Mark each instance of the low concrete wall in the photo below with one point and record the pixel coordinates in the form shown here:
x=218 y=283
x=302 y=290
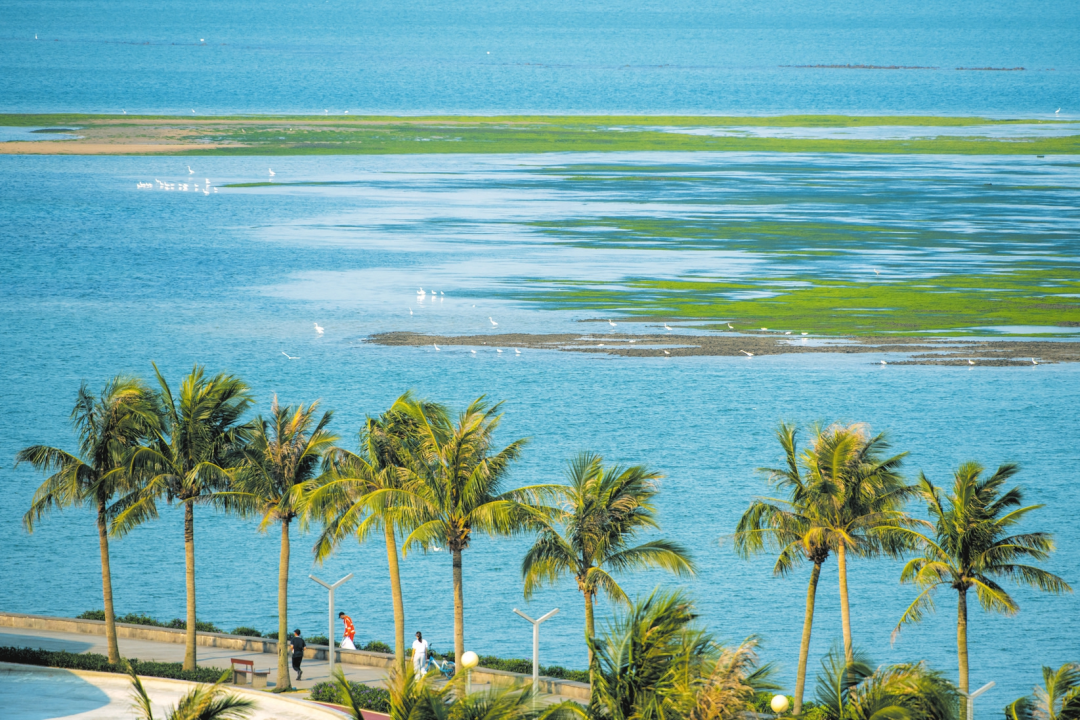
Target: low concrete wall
x=566 y=688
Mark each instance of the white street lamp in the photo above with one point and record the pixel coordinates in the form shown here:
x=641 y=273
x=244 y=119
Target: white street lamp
x=971 y=699
x=536 y=644
x=469 y=660
x=330 y=634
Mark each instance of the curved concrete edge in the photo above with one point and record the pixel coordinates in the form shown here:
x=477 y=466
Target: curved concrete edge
x=312 y=709
x=365 y=658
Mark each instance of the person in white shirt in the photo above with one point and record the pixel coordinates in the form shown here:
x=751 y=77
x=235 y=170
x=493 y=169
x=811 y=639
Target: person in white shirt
x=419 y=653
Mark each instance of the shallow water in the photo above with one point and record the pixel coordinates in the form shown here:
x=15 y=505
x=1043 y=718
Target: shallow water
x=101 y=277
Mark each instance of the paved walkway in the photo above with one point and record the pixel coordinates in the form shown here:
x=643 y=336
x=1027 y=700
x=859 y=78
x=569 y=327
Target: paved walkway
x=315 y=671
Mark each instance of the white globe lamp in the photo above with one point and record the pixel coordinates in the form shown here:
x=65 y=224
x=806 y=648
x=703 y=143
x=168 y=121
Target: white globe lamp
x=779 y=704
x=469 y=660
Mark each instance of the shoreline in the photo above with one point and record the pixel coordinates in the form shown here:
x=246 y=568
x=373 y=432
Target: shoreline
x=248 y=135
x=919 y=351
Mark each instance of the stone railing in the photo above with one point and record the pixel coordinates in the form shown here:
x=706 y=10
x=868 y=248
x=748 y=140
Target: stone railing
x=555 y=686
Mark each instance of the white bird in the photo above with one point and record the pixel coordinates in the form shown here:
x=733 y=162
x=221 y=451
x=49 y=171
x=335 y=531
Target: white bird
x=517 y=351
x=410 y=311
x=884 y=363
x=125 y=112
x=215 y=189
x=667 y=327
x=600 y=345
x=473 y=352
x=289 y=356
x=436 y=347
x=611 y=323
x=806 y=333
x=202 y=40
x=876 y=271
x=666 y=352
x=633 y=341
x=788 y=332
x=437 y=548
x=498 y=351
x=493 y=323
x=35 y=36
x=764 y=328
x=318 y=329
x=190 y=171
x=421 y=292
x=971 y=362
x=747 y=354
x=272 y=173
x=441 y=292
x=1033 y=361
x=730 y=326
x=1055 y=112
x=193 y=111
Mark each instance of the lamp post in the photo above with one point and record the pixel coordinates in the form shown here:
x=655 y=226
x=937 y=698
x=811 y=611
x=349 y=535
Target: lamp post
x=330 y=634
x=971 y=699
x=469 y=660
x=536 y=645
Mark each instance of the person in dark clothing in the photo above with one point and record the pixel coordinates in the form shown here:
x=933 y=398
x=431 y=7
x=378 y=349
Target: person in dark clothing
x=298 y=646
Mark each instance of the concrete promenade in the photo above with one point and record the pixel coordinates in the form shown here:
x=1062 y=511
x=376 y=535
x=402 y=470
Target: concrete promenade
x=315 y=670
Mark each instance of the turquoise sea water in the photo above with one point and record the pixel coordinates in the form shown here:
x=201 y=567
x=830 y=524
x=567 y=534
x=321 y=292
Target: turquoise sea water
x=101 y=277
x=645 y=56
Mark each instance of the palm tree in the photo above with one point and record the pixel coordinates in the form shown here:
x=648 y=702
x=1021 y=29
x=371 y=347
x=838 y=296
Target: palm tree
x=188 y=460
x=454 y=487
x=852 y=690
x=1058 y=699
x=357 y=496
x=972 y=546
x=855 y=497
x=790 y=526
x=282 y=454
x=655 y=664
x=109 y=426
x=602 y=510
x=202 y=702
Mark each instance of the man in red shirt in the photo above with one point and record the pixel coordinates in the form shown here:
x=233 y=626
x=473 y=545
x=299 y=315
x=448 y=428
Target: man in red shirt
x=350 y=632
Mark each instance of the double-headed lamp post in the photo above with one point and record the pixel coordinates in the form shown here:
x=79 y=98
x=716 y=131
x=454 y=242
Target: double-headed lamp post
x=971 y=699
x=536 y=644
x=330 y=633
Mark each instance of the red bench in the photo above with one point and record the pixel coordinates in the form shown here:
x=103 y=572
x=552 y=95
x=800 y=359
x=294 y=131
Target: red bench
x=244 y=673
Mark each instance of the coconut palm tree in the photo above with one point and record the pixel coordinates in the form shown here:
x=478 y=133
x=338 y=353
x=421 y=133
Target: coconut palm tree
x=853 y=690
x=455 y=486
x=187 y=460
x=972 y=546
x=855 y=496
x=356 y=496
x=202 y=702
x=109 y=426
x=1058 y=699
x=656 y=664
x=602 y=511
x=282 y=453
x=789 y=525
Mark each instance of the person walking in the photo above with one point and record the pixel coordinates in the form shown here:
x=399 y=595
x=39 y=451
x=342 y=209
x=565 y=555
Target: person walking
x=348 y=641
x=298 y=646
x=419 y=653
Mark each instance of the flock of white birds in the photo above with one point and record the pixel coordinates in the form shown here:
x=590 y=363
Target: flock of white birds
x=192 y=186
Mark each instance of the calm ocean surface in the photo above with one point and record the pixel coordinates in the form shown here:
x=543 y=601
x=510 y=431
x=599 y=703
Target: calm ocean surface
x=97 y=277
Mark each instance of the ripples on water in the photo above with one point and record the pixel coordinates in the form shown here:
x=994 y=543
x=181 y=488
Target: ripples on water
x=100 y=277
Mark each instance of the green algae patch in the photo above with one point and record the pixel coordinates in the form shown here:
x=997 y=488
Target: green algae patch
x=372 y=135
x=948 y=305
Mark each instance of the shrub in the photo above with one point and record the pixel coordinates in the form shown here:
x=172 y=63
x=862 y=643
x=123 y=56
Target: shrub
x=100 y=663
x=368 y=698
x=133 y=619
x=247 y=632
x=317 y=640
x=525 y=666
x=377 y=646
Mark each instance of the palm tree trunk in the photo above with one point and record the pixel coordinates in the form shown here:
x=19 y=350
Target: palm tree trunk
x=590 y=628
x=459 y=612
x=395 y=593
x=961 y=639
x=189 y=570
x=284 y=681
x=804 y=648
x=106 y=587
x=845 y=608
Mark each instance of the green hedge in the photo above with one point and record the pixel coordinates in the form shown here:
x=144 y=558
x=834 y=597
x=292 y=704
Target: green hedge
x=100 y=663
x=525 y=666
x=133 y=619
x=368 y=698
